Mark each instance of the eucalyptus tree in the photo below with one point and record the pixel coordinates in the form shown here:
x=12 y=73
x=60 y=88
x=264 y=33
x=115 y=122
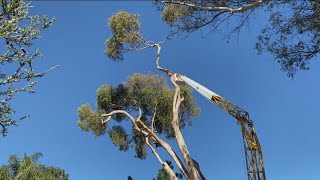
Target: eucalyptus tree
x=150 y=98
x=292 y=35
x=28 y=167
x=159 y=108
x=18 y=31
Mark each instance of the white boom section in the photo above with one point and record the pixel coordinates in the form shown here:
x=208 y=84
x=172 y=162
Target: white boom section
x=201 y=89
x=252 y=148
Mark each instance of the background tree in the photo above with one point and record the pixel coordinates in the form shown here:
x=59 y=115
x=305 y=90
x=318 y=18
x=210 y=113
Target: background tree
x=28 y=167
x=292 y=37
x=18 y=30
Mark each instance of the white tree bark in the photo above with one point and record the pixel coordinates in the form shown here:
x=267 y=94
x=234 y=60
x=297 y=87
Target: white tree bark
x=165 y=165
x=216 y=8
x=192 y=171
x=148 y=132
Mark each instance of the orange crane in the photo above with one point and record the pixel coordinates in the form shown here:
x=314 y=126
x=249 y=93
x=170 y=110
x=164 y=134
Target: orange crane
x=252 y=148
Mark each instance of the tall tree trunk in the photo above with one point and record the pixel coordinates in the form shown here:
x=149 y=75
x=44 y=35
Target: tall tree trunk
x=192 y=172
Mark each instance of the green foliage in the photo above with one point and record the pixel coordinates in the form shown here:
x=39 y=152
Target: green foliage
x=163 y=175
x=125 y=34
x=90 y=120
x=28 y=168
x=152 y=95
x=18 y=30
x=119 y=137
x=172 y=13
x=140 y=145
x=292 y=37
x=189 y=19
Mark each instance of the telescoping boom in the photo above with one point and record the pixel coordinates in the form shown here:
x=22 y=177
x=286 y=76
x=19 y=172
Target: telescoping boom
x=252 y=148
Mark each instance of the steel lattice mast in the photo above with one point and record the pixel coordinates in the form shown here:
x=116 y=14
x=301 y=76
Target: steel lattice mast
x=252 y=148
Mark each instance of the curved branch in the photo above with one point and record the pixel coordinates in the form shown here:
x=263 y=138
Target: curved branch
x=146 y=131
x=133 y=121
x=158 y=59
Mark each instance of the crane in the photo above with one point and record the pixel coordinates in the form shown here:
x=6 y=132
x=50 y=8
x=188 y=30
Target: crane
x=252 y=148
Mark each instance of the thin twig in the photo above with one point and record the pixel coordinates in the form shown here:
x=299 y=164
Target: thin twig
x=153 y=117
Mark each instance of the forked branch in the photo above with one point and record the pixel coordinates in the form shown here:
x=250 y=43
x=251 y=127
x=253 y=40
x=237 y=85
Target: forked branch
x=148 y=133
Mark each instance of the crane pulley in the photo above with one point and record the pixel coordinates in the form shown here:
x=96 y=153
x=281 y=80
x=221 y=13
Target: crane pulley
x=252 y=148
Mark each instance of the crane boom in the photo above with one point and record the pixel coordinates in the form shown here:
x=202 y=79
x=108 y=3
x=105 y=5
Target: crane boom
x=252 y=148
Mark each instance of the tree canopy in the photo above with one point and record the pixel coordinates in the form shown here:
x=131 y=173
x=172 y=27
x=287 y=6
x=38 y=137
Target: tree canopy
x=18 y=31
x=147 y=92
x=28 y=167
x=126 y=36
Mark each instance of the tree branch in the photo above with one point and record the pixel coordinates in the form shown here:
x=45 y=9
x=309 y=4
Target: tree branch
x=164 y=164
x=153 y=117
x=168 y=148
x=214 y=8
x=148 y=132
x=133 y=121
x=158 y=59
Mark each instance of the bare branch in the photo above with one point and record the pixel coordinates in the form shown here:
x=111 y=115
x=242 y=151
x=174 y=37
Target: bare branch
x=158 y=56
x=154 y=151
x=164 y=164
x=147 y=132
x=168 y=37
x=133 y=121
x=177 y=98
x=158 y=59
x=168 y=148
x=153 y=117
x=214 y=8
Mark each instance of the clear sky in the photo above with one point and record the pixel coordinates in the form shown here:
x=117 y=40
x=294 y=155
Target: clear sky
x=285 y=111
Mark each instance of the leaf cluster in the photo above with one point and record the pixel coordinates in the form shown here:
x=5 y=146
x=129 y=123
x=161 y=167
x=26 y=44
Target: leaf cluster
x=148 y=92
x=90 y=120
x=292 y=37
x=189 y=19
x=163 y=175
x=18 y=30
x=125 y=29
x=28 y=167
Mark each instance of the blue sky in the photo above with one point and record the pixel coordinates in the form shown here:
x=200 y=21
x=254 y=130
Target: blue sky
x=284 y=110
